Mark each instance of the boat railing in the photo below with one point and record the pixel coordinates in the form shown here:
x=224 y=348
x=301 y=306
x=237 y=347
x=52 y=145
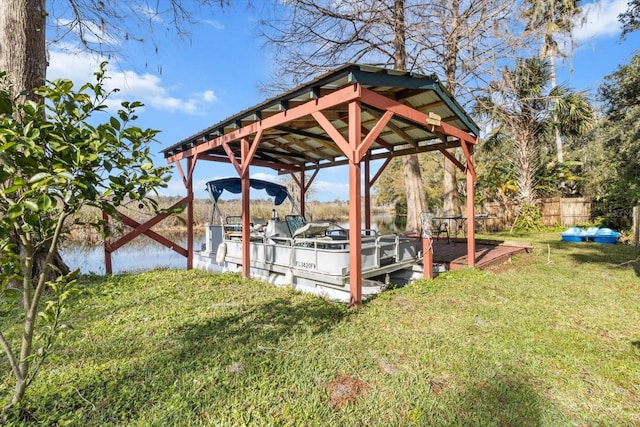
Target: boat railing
x=327 y=253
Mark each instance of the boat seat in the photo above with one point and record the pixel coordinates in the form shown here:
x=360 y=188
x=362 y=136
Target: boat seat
x=311 y=229
x=277 y=228
x=294 y=222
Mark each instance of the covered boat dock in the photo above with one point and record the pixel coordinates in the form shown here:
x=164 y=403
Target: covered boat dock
x=352 y=116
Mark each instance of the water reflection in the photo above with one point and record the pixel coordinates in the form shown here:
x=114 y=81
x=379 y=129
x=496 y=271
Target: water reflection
x=142 y=254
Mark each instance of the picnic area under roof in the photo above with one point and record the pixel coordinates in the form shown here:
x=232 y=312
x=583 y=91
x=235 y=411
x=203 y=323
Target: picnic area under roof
x=302 y=143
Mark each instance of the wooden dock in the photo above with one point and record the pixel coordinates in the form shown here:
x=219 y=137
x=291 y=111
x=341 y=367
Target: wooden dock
x=453 y=252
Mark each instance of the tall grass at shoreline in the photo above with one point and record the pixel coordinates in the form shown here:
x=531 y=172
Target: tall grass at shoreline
x=549 y=339
x=260 y=211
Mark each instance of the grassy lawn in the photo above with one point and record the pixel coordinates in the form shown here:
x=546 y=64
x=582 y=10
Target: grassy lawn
x=553 y=338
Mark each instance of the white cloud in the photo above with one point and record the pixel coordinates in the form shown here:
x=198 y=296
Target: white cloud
x=599 y=19
x=145 y=87
x=269 y=177
x=209 y=96
x=329 y=191
x=175 y=186
x=215 y=24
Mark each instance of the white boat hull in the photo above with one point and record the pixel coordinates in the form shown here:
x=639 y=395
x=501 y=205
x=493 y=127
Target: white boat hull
x=315 y=265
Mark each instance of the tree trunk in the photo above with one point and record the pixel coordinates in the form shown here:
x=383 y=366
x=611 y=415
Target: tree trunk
x=556 y=128
x=18 y=392
x=524 y=155
x=451 y=200
x=23 y=52
x=415 y=193
x=412 y=175
x=23 y=55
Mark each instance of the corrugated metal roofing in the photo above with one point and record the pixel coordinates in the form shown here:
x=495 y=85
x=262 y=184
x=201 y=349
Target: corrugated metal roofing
x=302 y=142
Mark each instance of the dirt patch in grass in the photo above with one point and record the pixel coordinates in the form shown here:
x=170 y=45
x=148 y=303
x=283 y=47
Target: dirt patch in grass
x=345 y=389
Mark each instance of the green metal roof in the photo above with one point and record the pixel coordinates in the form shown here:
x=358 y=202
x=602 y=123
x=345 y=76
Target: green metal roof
x=302 y=143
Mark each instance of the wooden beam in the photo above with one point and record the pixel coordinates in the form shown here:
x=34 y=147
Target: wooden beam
x=277 y=165
x=181 y=172
x=340 y=96
x=150 y=233
x=394 y=128
x=387 y=154
x=405 y=136
x=107 y=250
x=327 y=145
x=355 y=209
x=467 y=149
x=143 y=228
x=313 y=177
x=373 y=135
x=246 y=211
x=191 y=166
x=453 y=159
x=335 y=135
x=191 y=162
x=427 y=257
x=252 y=151
x=372 y=98
x=379 y=140
x=471 y=217
x=305 y=148
x=232 y=158
x=382 y=168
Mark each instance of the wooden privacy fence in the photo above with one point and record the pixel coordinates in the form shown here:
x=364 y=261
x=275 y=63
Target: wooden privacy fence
x=555 y=211
x=566 y=211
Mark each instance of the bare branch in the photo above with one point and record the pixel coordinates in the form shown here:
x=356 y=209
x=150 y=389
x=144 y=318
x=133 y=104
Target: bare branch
x=101 y=26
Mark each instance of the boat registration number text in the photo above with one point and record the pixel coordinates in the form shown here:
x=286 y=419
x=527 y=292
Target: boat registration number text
x=304 y=264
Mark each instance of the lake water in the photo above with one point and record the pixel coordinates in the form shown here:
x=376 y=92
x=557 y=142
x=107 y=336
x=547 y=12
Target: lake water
x=143 y=254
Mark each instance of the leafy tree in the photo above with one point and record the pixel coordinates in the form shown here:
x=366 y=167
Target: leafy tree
x=98 y=25
x=615 y=180
x=460 y=41
x=521 y=110
x=631 y=18
x=55 y=160
x=620 y=91
x=390 y=187
x=550 y=18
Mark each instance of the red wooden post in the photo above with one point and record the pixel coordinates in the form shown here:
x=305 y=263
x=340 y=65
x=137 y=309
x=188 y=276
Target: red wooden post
x=471 y=219
x=302 y=193
x=367 y=194
x=190 y=165
x=427 y=257
x=246 y=212
x=355 y=209
x=107 y=250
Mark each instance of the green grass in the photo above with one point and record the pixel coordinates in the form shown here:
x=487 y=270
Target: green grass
x=551 y=339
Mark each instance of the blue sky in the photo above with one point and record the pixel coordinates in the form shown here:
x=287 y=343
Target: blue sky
x=192 y=83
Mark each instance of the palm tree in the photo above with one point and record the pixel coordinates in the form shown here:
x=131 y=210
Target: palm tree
x=520 y=112
x=550 y=18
